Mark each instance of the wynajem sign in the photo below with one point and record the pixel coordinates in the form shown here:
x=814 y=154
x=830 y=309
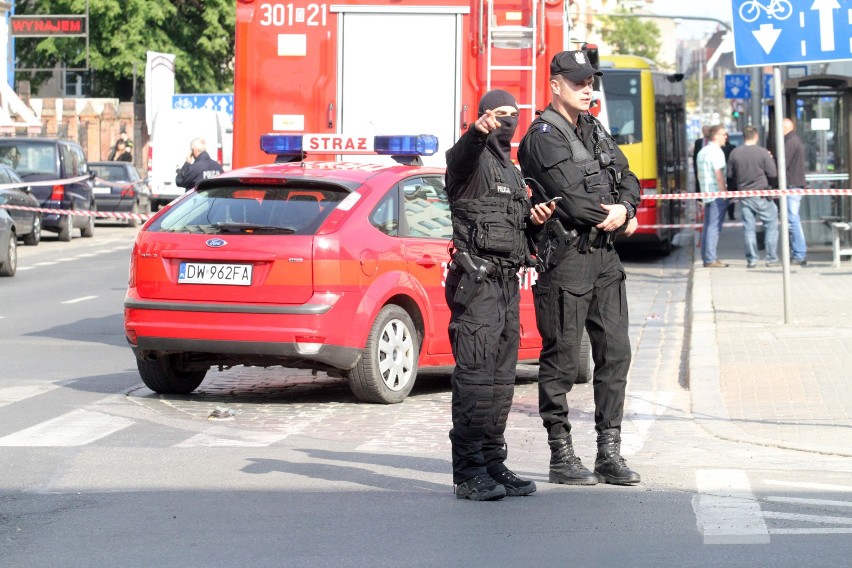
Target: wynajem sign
x=778 y=32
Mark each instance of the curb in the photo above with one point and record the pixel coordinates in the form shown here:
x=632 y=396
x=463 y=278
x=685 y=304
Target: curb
x=708 y=407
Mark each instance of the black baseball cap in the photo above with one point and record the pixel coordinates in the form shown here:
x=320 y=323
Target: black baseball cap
x=573 y=65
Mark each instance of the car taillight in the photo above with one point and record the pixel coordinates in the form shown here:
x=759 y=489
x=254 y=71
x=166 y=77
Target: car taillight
x=150 y=159
x=128 y=191
x=58 y=193
x=220 y=156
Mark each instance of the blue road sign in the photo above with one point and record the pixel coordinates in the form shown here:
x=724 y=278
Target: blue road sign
x=223 y=102
x=778 y=32
x=737 y=86
x=767 y=86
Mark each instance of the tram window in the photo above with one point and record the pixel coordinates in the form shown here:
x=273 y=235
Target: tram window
x=624 y=105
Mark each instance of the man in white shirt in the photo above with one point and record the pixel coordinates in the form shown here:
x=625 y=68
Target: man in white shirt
x=711 y=175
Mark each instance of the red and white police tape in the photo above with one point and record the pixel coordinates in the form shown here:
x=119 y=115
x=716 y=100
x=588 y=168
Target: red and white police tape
x=79 y=213
x=663 y=196
x=729 y=195
x=750 y=193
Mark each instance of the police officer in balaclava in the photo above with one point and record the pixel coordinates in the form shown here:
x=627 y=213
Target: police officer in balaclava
x=492 y=221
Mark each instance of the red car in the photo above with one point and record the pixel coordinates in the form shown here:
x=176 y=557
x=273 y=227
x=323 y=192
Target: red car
x=334 y=266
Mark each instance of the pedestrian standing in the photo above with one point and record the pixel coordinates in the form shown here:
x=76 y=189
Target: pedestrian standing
x=568 y=154
x=751 y=167
x=794 y=152
x=198 y=166
x=699 y=144
x=727 y=148
x=712 y=171
x=122 y=153
x=492 y=219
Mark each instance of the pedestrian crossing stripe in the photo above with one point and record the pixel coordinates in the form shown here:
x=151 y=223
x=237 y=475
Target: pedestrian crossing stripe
x=726 y=510
x=10 y=395
x=76 y=428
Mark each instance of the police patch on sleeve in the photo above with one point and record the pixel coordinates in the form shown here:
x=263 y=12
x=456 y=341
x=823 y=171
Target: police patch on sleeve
x=544 y=127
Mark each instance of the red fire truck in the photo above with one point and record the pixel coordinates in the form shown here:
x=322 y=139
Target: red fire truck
x=385 y=67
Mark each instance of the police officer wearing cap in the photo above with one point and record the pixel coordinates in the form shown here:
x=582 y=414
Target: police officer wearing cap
x=567 y=153
x=491 y=216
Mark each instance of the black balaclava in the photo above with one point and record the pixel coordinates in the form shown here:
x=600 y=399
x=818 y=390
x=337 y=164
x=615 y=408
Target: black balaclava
x=500 y=140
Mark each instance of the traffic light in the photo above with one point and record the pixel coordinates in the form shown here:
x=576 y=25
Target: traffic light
x=736 y=109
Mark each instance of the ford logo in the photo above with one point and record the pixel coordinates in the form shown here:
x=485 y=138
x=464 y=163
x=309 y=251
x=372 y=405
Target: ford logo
x=215 y=243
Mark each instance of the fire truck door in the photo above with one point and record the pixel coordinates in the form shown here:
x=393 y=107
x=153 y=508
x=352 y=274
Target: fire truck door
x=400 y=74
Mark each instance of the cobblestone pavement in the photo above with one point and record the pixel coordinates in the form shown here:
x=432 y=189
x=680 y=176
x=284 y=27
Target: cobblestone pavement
x=273 y=404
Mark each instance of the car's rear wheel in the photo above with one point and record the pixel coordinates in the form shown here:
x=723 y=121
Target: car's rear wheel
x=388 y=366
x=34 y=237
x=65 y=226
x=10 y=258
x=88 y=230
x=166 y=375
x=587 y=365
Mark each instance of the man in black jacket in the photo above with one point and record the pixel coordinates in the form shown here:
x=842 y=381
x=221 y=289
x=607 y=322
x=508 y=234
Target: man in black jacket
x=492 y=217
x=569 y=154
x=794 y=153
x=199 y=165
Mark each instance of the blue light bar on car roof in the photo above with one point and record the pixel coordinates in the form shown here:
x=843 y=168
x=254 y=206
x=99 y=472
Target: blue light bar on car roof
x=281 y=144
x=295 y=144
x=406 y=145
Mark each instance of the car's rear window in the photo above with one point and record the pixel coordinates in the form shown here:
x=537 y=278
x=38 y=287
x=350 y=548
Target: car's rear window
x=298 y=210
x=110 y=172
x=28 y=157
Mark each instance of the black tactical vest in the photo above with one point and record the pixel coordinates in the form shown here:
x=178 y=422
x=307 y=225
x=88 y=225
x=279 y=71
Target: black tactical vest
x=492 y=225
x=597 y=176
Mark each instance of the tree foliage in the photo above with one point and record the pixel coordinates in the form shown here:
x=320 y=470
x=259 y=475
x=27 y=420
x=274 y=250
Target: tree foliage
x=200 y=33
x=712 y=95
x=631 y=35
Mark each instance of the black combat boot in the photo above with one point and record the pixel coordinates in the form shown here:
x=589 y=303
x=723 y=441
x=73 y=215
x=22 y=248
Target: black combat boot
x=610 y=467
x=480 y=488
x=565 y=467
x=515 y=486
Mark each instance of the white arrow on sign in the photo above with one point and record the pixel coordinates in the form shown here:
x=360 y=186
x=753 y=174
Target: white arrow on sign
x=767 y=35
x=735 y=91
x=826 y=10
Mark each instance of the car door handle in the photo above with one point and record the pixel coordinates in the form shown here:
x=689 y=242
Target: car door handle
x=426 y=261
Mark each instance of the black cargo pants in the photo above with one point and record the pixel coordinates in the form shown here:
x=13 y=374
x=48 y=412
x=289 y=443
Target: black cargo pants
x=484 y=337
x=584 y=289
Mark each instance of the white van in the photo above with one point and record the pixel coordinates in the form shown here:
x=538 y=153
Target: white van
x=173 y=130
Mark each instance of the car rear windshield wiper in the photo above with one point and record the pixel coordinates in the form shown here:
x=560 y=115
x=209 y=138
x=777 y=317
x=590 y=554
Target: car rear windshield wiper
x=253 y=228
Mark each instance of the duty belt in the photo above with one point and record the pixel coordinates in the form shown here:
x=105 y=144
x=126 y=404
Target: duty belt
x=594 y=239
x=492 y=269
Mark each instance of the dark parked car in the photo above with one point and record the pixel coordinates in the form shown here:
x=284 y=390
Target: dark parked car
x=44 y=159
x=123 y=192
x=8 y=245
x=27 y=223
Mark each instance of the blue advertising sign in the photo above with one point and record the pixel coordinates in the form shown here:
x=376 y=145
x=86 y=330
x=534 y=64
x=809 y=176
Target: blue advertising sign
x=779 y=32
x=223 y=102
x=737 y=86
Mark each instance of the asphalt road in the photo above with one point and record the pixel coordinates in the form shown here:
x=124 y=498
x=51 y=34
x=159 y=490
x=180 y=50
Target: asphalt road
x=96 y=470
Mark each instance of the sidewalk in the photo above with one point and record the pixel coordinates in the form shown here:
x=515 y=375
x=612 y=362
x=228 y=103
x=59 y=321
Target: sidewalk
x=754 y=379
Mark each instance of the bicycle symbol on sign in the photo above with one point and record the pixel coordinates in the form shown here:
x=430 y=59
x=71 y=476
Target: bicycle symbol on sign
x=780 y=9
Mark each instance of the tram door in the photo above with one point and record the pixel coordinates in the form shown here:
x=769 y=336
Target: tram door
x=821 y=107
